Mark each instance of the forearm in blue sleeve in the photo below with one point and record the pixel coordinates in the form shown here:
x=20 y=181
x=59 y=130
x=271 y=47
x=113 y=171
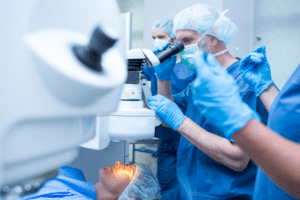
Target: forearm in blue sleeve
x=182 y=98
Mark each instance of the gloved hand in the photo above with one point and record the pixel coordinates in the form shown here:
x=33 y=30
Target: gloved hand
x=216 y=96
x=167 y=110
x=255 y=70
x=163 y=70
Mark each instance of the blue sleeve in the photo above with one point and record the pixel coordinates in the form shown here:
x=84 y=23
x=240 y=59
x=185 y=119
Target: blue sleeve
x=149 y=72
x=181 y=77
x=71 y=172
x=69 y=184
x=182 y=98
x=262 y=111
x=82 y=187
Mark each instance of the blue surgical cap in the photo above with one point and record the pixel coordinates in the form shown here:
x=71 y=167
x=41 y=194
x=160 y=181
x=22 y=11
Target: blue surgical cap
x=205 y=19
x=165 y=25
x=144 y=185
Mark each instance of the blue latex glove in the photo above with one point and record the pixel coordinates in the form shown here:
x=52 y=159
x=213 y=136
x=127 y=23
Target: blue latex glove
x=255 y=70
x=163 y=70
x=216 y=96
x=167 y=110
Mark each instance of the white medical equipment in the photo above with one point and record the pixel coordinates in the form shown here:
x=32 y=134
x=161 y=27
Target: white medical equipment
x=132 y=121
x=49 y=97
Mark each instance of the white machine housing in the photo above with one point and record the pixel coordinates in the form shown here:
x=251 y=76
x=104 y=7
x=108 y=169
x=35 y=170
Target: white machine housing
x=143 y=54
x=132 y=121
x=49 y=100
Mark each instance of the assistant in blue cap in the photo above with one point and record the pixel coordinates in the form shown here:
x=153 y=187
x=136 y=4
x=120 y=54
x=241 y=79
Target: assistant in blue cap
x=165 y=25
x=180 y=77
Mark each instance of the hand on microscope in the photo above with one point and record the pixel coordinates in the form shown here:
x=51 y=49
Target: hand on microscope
x=167 y=110
x=163 y=70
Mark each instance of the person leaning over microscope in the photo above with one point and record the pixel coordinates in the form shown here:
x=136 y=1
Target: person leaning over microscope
x=180 y=77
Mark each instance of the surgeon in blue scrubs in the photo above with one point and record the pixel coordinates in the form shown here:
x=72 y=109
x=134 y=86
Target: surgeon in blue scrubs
x=180 y=77
x=276 y=153
x=209 y=166
x=275 y=148
x=284 y=119
x=121 y=182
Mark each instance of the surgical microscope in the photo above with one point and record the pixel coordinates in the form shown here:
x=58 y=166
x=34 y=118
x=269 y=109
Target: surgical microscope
x=63 y=67
x=133 y=120
x=50 y=95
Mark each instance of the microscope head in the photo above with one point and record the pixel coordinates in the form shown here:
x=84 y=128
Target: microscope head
x=50 y=92
x=137 y=57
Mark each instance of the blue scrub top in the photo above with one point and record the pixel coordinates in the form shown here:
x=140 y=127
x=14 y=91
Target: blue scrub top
x=284 y=118
x=69 y=184
x=199 y=176
x=181 y=76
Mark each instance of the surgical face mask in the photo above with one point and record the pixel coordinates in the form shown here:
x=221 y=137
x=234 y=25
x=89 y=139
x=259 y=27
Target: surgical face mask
x=190 y=50
x=187 y=54
x=160 y=42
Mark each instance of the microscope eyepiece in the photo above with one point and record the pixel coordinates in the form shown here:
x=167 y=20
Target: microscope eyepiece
x=171 y=50
x=90 y=55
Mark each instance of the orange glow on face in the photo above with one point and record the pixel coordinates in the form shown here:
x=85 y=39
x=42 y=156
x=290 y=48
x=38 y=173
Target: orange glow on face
x=122 y=171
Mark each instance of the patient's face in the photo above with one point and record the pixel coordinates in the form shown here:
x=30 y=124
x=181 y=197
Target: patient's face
x=117 y=177
x=122 y=171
